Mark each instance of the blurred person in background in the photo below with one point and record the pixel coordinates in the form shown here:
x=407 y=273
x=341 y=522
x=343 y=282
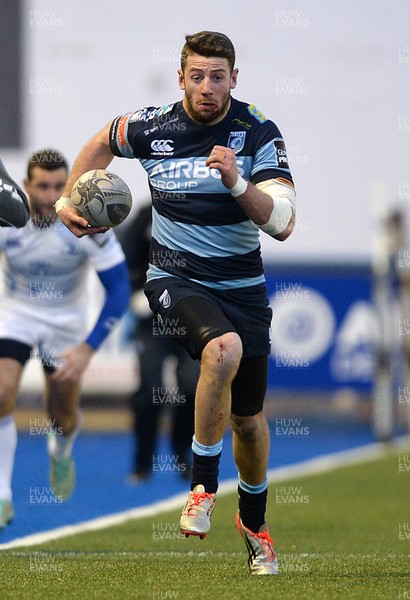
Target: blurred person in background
x=44 y=313
x=153 y=349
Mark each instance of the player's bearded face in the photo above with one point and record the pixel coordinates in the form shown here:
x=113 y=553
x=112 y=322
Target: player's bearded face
x=44 y=188
x=207 y=83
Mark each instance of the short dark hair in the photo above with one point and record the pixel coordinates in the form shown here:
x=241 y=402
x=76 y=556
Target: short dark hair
x=208 y=43
x=48 y=158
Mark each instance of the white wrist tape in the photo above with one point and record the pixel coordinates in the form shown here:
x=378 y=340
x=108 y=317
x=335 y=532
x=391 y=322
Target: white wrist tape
x=239 y=188
x=63 y=202
x=284 y=204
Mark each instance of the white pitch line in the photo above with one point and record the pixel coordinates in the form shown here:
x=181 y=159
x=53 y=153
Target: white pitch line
x=313 y=466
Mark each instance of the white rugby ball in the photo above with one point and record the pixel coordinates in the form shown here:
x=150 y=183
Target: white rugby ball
x=102 y=198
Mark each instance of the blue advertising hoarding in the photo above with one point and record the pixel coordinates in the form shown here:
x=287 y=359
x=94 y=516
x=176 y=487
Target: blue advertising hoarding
x=324 y=331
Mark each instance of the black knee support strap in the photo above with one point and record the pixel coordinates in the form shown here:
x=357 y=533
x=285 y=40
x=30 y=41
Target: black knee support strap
x=249 y=386
x=202 y=321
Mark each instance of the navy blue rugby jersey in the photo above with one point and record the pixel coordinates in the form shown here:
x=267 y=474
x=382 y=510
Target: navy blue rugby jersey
x=199 y=231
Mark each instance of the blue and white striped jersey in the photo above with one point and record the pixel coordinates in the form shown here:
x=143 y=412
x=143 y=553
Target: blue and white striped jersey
x=199 y=231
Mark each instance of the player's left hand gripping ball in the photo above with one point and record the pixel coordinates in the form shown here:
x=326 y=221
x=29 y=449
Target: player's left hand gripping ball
x=102 y=198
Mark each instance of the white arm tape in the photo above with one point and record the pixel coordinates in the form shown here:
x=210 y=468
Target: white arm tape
x=63 y=202
x=239 y=188
x=284 y=200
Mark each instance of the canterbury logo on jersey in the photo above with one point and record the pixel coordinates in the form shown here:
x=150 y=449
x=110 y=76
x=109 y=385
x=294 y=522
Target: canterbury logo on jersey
x=162 y=147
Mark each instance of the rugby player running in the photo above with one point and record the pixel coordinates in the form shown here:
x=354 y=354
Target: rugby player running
x=218 y=174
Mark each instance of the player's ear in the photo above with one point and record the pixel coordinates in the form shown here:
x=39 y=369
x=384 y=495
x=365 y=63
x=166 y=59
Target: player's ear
x=26 y=184
x=234 y=78
x=181 y=79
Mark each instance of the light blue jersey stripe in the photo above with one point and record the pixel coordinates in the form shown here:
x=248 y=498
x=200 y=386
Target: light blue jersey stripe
x=230 y=284
x=157 y=273
x=190 y=174
x=206 y=241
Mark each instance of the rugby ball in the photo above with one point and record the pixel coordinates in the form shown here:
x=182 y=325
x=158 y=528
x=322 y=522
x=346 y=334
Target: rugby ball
x=102 y=198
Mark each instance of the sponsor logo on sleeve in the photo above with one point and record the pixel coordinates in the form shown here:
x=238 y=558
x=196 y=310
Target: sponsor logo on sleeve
x=143 y=115
x=163 y=110
x=257 y=113
x=146 y=114
x=281 y=154
x=121 y=129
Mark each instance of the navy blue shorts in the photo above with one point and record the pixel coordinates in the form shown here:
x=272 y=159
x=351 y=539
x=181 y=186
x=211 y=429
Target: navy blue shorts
x=245 y=311
x=194 y=314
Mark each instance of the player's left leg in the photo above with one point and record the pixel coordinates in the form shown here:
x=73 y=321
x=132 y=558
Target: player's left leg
x=10 y=375
x=13 y=356
x=251 y=447
x=251 y=441
x=62 y=401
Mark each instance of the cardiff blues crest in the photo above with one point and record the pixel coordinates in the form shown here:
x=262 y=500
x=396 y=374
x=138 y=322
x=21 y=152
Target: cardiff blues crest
x=236 y=140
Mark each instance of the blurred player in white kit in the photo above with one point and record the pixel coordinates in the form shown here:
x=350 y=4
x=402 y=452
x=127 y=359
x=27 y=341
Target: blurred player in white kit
x=44 y=312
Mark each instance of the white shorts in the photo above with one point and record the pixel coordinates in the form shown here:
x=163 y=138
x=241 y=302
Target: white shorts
x=48 y=333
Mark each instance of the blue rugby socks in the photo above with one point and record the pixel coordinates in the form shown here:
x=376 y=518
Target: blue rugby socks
x=205 y=466
x=252 y=504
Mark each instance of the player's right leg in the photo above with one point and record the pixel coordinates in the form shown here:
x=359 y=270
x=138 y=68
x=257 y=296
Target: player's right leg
x=13 y=356
x=213 y=339
x=195 y=319
x=219 y=363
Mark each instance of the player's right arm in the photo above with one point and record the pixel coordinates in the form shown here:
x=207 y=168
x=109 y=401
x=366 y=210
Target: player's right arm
x=96 y=154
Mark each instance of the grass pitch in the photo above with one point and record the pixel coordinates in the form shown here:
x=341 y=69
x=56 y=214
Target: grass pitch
x=343 y=534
